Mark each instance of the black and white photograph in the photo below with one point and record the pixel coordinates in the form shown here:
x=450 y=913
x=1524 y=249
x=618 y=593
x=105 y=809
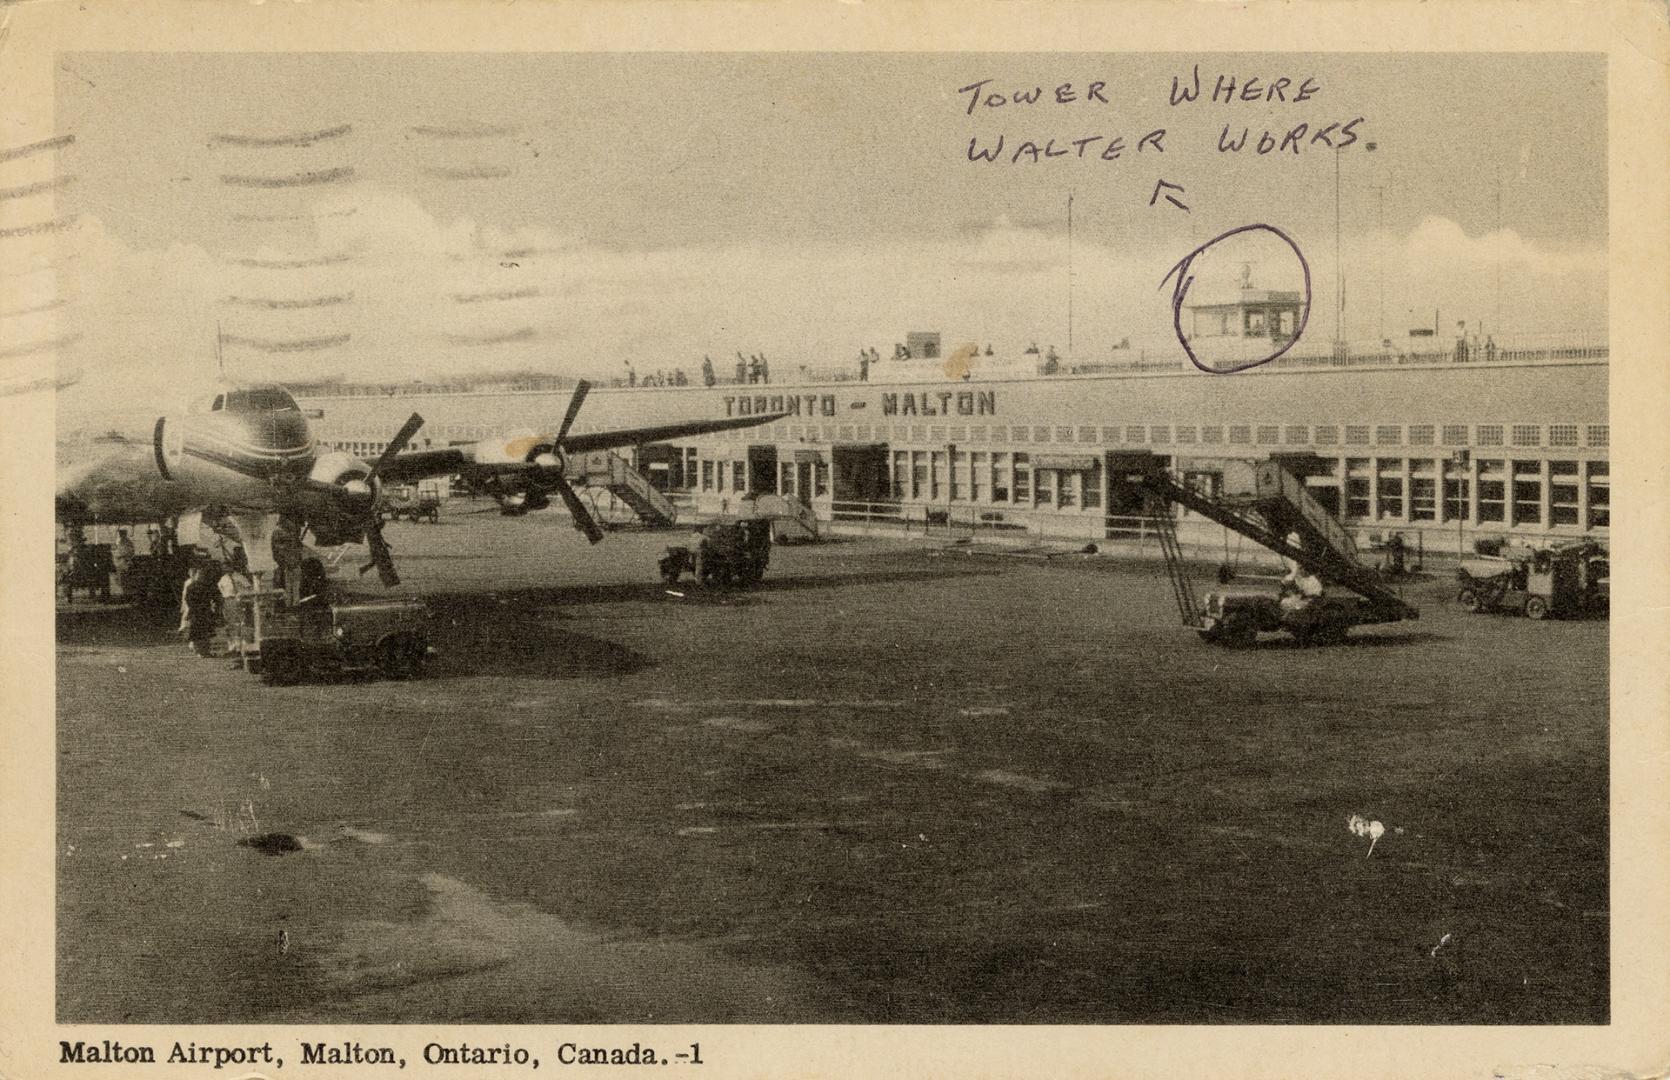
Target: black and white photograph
x=598 y=538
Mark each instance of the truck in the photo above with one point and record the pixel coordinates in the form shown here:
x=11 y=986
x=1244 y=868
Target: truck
x=1279 y=513
x=286 y=643
x=1567 y=580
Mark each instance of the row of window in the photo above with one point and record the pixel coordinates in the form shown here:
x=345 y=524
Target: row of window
x=1593 y=436
x=1415 y=490
x=807 y=480
x=995 y=477
x=1487 y=491
x=1508 y=492
x=725 y=476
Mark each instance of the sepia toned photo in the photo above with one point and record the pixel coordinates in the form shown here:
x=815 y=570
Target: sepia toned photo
x=603 y=539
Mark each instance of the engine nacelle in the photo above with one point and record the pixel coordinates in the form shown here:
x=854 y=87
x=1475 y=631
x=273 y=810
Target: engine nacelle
x=168 y=445
x=511 y=448
x=330 y=527
x=342 y=470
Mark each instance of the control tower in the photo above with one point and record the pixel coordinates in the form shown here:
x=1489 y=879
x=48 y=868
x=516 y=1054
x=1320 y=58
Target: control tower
x=1268 y=314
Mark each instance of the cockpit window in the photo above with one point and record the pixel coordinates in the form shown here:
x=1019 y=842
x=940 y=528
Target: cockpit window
x=219 y=403
x=260 y=399
x=272 y=399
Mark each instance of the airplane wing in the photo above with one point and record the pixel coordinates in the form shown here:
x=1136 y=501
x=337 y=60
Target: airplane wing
x=415 y=465
x=603 y=440
x=119 y=485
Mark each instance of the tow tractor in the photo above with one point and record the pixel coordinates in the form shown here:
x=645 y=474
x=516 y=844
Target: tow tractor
x=287 y=642
x=1280 y=514
x=730 y=552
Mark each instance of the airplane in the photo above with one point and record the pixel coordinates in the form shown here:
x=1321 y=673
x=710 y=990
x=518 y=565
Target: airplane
x=247 y=455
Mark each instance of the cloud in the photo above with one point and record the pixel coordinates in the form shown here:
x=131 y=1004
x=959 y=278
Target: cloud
x=148 y=318
x=1440 y=242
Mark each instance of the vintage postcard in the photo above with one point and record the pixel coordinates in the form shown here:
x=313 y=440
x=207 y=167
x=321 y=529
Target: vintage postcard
x=1112 y=539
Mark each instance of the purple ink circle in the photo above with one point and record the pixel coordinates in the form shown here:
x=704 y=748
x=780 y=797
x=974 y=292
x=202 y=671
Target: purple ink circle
x=1181 y=290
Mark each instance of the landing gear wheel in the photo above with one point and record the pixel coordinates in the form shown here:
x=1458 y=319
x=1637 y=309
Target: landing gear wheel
x=402 y=658
x=280 y=665
x=1536 y=608
x=1238 y=632
x=1330 y=635
x=1468 y=599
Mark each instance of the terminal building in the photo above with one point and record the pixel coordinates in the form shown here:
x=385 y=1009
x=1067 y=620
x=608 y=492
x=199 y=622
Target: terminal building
x=1443 y=444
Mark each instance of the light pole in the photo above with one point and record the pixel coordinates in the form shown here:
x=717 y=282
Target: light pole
x=1339 y=266
x=1339 y=263
x=1380 y=258
x=1460 y=461
x=1069 y=276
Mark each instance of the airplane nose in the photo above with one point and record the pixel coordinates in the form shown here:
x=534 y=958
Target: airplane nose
x=167 y=444
x=357 y=487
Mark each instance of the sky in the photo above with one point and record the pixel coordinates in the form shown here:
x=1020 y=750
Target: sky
x=399 y=216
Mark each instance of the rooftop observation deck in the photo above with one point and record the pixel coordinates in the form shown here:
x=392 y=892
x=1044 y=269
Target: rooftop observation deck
x=1158 y=360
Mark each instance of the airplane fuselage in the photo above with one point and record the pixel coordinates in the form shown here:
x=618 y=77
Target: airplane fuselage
x=243 y=448
x=247 y=453
x=236 y=459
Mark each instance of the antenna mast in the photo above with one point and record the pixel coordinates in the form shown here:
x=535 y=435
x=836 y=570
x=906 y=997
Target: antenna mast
x=1069 y=274
x=220 y=360
x=1498 y=246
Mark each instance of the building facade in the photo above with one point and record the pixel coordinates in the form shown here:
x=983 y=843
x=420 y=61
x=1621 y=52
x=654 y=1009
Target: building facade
x=1436 y=446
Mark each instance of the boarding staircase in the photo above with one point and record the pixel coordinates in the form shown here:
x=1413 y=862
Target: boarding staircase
x=614 y=474
x=791 y=519
x=1165 y=526
x=1279 y=513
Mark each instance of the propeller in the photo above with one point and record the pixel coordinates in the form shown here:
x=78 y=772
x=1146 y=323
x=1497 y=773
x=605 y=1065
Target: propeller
x=580 y=392
x=582 y=517
x=397 y=444
x=382 y=556
x=576 y=509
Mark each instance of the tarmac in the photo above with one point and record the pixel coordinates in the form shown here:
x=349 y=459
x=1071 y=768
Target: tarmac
x=896 y=783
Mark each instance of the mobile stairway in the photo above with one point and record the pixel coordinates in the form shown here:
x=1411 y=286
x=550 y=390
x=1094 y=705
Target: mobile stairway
x=791 y=520
x=614 y=474
x=1279 y=514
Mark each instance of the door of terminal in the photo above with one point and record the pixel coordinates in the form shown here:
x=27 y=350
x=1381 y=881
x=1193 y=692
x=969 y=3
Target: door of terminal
x=762 y=470
x=803 y=481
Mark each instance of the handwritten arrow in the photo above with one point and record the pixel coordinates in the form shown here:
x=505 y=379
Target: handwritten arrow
x=1172 y=199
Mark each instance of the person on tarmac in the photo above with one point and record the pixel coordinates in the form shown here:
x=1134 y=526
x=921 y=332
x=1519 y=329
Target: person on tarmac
x=200 y=611
x=122 y=557
x=1396 y=554
x=233 y=584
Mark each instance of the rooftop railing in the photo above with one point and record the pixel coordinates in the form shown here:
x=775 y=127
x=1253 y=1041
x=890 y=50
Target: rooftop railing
x=1162 y=359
